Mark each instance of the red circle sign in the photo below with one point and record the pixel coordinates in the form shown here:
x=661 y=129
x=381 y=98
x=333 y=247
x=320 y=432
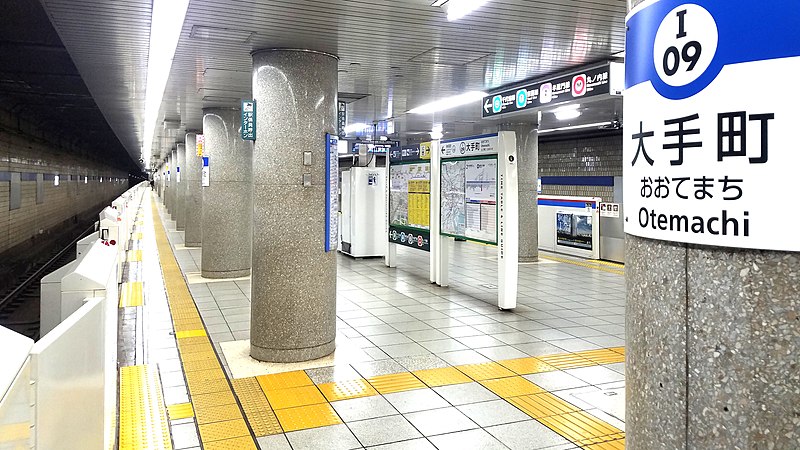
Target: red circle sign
x=579 y=85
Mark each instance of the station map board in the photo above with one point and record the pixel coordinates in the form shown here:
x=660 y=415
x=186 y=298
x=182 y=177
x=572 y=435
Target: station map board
x=410 y=196
x=469 y=189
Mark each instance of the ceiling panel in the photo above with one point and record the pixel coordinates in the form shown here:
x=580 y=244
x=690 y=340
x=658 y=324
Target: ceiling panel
x=403 y=53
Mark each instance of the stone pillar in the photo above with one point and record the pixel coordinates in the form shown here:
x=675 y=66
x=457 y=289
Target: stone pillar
x=294 y=280
x=227 y=202
x=180 y=189
x=528 y=176
x=173 y=162
x=193 y=205
x=713 y=338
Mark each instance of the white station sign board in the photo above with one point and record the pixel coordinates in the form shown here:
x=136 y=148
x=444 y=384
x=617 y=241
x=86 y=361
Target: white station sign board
x=710 y=151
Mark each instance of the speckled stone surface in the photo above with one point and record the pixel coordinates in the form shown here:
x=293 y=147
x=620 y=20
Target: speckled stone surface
x=744 y=349
x=180 y=189
x=227 y=202
x=193 y=205
x=713 y=338
x=294 y=280
x=655 y=345
x=527 y=176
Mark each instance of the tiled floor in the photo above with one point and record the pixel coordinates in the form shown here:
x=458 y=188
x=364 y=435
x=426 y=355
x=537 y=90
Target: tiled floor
x=393 y=321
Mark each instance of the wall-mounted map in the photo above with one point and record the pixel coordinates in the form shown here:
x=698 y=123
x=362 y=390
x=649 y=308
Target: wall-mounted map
x=469 y=199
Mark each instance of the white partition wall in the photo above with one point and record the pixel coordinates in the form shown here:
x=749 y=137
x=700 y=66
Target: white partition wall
x=68 y=376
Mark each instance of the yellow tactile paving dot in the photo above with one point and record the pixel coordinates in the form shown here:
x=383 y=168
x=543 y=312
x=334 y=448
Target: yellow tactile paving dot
x=131 y=294
x=190 y=333
x=293 y=397
x=542 y=405
x=346 y=389
x=199 y=356
x=201 y=364
x=208 y=386
x=396 y=382
x=194 y=348
x=138 y=236
x=215 y=373
x=587 y=265
x=142 y=416
x=526 y=366
x=194 y=341
x=240 y=443
x=218 y=414
x=304 y=417
x=218 y=431
x=189 y=325
x=259 y=414
x=284 y=380
x=618 y=444
x=511 y=386
x=582 y=428
x=566 y=361
x=602 y=356
x=203 y=401
x=134 y=256
x=444 y=376
x=485 y=371
x=180 y=411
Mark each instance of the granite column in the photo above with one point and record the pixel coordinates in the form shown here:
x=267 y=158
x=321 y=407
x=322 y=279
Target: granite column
x=193 y=205
x=180 y=188
x=227 y=211
x=713 y=338
x=294 y=280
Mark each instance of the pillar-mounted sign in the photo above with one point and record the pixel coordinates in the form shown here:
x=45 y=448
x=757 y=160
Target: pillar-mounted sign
x=341 y=118
x=709 y=150
x=201 y=144
x=331 y=192
x=205 y=176
x=249 y=120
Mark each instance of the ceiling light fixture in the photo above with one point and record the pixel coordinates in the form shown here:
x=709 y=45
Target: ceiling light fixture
x=457 y=9
x=355 y=128
x=166 y=24
x=575 y=127
x=449 y=102
x=567 y=112
x=437 y=132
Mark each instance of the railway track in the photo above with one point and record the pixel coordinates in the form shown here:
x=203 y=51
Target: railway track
x=19 y=305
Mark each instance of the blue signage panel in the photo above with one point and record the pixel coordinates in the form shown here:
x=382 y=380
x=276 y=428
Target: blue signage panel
x=331 y=192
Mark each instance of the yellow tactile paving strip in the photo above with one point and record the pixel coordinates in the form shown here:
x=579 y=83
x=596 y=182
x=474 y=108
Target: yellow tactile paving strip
x=442 y=377
x=134 y=256
x=220 y=421
x=131 y=294
x=396 y=382
x=180 y=411
x=602 y=266
x=142 y=417
x=259 y=414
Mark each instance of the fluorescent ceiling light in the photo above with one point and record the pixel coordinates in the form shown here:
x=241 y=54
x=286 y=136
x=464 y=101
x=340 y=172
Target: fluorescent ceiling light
x=456 y=9
x=575 y=127
x=449 y=102
x=355 y=127
x=166 y=24
x=567 y=112
x=437 y=132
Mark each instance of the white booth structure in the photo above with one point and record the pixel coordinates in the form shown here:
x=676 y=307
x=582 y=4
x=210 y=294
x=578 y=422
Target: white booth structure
x=570 y=225
x=363 y=205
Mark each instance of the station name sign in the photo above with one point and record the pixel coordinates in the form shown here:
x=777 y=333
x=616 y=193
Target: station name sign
x=602 y=80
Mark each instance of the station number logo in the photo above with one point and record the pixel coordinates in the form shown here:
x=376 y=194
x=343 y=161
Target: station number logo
x=579 y=85
x=522 y=98
x=685 y=44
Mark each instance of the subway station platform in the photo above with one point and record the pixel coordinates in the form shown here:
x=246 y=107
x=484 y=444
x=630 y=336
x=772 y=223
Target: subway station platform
x=417 y=366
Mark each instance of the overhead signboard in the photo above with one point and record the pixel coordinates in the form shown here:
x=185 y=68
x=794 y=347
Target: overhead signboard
x=249 y=120
x=709 y=155
x=603 y=80
x=474 y=146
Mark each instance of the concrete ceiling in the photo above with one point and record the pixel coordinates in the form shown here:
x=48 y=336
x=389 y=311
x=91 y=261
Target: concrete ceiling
x=40 y=84
x=398 y=54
